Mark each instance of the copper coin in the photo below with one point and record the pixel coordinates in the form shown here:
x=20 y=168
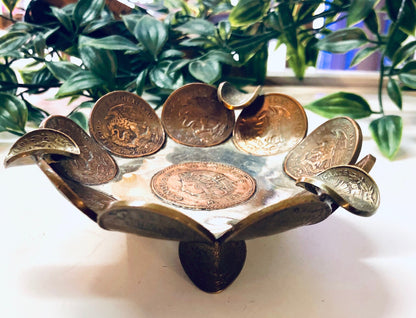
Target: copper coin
x=93 y=166
x=203 y=185
x=336 y=142
x=126 y=125
x=192 y=115
x=273 y=124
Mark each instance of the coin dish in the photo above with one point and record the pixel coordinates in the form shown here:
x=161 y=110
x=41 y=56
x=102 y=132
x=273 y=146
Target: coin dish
x=126 y=200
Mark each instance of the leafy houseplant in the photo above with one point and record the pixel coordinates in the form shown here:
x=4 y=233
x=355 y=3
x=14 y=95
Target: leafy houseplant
x=85 y=50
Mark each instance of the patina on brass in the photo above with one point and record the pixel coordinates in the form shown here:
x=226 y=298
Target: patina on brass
x=212 y=246
x=336 y=142
x=126 y=125
x=349 y=186
x=40 y=142
x=233 y=98
x=94 y=165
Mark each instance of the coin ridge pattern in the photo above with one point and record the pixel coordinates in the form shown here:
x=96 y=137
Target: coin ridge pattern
x=203 y=185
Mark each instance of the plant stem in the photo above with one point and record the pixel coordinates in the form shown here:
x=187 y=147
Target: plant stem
x=395 y=25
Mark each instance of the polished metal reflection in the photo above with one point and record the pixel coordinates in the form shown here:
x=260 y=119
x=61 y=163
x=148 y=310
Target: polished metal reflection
x=232 y=98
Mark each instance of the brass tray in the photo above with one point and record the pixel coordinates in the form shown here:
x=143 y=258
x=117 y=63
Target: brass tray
x=212 y=245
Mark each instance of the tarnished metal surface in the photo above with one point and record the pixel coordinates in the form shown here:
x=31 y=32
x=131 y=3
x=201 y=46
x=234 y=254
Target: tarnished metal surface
x=336 y=142
x=192 y=115
x=273 y=124
x=349 y=186
x=41 y=141
x=126 y=125
x=93 y=165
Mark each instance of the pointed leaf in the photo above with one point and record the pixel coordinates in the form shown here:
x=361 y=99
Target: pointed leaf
x=343 y=40
x=62 y=70
x=63 y=17
x=8 y=77
x=361 y=55
x=13 y=114
x=359 y=10
x=387 y=133
x=247 y=12
x=10 y=4
x=408 y=74
x=113 y=42
x=80 y=119
x=79 y=82
x=341 y=104
x=152 y=34
x=404 y=53
x=11 y=42
x=372 y=22
x=141 y=81
x=407 y=17
x=198 y=26
x=394 y=92
x=86 y=11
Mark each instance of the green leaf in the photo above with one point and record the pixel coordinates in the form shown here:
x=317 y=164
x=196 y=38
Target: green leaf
x=13 y=114
x=86 y=11
x=247 y=12
x=343 y=40
x=408 y=74
x=101 y=62
x=197 y=26
x=387 y=133
x=131 y=20
x=62 y=70
x=205 y=70
x=341 y=104
x=407 y=18
x=152 y=34
x=171 y=54
x=112 y=42
x=362 y=54
x=80 y=118
x=221 y=56
x=10 y=4
x=141 y=81
x=224 y=30
x=63 y=17
x=161 y=77
x=372 y=22
x=78 y=82
x=404 y=53
x=8 y=76
x=35 y=114
x=287 y=24
x=359 y=10
x=11 y=42
x=394 y=92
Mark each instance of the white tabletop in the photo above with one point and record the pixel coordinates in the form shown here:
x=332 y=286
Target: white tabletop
x=58 y=263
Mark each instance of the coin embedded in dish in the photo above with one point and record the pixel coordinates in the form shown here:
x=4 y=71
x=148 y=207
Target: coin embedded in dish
x=126 y=125
x=336 y=142
x=203 y=185
x=93 y=165
x=273 y=124
x=192 y=115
